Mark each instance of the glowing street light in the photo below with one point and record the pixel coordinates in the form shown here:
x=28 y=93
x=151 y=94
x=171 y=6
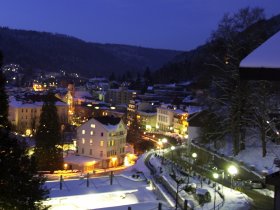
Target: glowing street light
x=65 y=166
x=215 y=176
x=164 y=140
x=232 y=170
x=172 y=148
x=194 y=155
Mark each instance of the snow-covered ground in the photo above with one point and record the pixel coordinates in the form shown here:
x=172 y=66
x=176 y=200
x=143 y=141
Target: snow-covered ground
x=125 y=191
x=252 y=156
x=234 y=200
x=128 y=191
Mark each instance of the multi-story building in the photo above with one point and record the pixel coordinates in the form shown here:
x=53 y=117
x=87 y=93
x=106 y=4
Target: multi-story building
x=104 y=140
x=170 y=119
x=25 y=116
x=147 y=120
x=119 y=96
x=165 y=118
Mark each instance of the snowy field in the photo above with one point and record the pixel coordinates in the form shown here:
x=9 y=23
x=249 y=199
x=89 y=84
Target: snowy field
x=125 y=191
x=252 y=156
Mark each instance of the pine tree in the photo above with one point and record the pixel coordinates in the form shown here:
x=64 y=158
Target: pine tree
x=3 y=103
x=48 y=137
x=20 y=186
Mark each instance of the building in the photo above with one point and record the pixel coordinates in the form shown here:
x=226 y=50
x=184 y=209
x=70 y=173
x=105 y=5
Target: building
x=119 y=96
x=104 y=140
x=25 y=115
x=170 y=119
x=147 y=120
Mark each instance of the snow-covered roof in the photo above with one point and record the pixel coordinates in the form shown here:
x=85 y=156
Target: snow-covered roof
x=265 y=56
x=110 y=123
x=21 y=104
x=82 y=94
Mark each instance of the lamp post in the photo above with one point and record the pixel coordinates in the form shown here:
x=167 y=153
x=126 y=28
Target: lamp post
x=163 y=141
x=232 y=170
x=215 y=176
x=172 y=148
x=194 y=155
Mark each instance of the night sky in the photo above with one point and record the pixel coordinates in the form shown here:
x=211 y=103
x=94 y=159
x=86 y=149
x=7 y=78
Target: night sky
x=169 y=24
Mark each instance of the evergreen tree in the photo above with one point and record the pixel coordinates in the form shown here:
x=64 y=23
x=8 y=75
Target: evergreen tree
x=20 y=186
x=48 y=137
x=4 y=123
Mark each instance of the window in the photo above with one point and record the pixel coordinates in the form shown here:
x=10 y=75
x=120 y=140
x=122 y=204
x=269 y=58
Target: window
x=90 y=151
x=83 y=131
x=90 y=141
x=91 y=133
x=101 y=133
x=101 y=143
x=83 y=151
x=83 y=140
x=92 y=125
x=112 y=142
x=101 y=153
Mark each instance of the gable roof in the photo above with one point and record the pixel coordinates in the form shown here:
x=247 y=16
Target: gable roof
x=263 y=63
x=108 y=120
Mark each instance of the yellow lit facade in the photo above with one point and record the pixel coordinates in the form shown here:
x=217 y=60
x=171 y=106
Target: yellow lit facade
x=25 y=116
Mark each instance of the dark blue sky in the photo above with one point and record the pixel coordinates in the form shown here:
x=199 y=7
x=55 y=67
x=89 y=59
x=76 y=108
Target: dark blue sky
x=170 y=24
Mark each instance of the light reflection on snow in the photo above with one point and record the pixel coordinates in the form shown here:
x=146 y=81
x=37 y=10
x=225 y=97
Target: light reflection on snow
x=93 y=201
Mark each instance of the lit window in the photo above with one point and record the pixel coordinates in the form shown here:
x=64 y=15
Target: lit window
x=90 y=141
x=83 y=140
x=83 y=131
x=92 y=125
x=101 y=143
x=91 y=132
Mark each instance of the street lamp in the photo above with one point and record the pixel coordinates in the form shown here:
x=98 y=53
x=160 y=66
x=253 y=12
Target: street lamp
x=232 y=170
x=172 y=148
x=215 y=176
x=163 y=141
x=194 y=156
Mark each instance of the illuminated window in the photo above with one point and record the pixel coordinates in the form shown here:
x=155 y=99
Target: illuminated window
x=83 y=140
x=83 y=131
x=101 y=143
x=91 y=132
x=92 y=125
x=113 y=142
x=90 y=141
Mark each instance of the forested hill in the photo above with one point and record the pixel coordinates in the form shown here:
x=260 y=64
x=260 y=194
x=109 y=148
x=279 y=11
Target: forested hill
x=194 y=64
x=53 y=52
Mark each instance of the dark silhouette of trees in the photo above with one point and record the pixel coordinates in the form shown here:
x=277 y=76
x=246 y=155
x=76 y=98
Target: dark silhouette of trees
x=20 y=186
x=48 y=137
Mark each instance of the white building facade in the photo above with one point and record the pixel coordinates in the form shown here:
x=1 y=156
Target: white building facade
x=103 y=139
